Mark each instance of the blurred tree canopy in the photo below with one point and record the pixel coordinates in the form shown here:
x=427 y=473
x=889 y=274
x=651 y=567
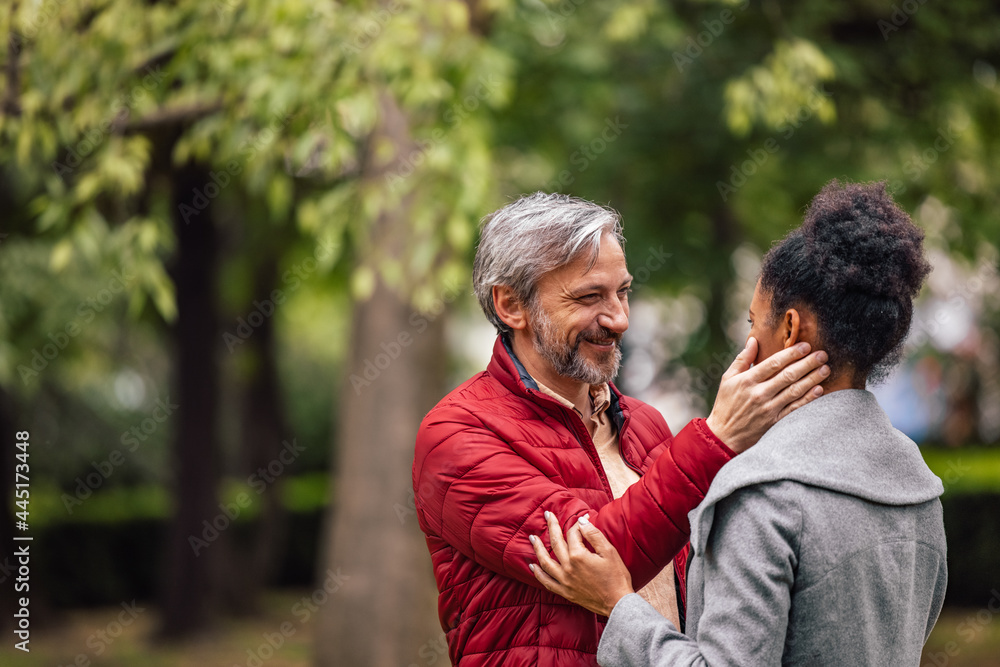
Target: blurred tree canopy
x=159 y=140
x=735 y=114
x=171 y=169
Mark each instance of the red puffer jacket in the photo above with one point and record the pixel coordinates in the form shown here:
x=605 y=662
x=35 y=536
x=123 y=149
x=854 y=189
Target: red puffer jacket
x=491 y=457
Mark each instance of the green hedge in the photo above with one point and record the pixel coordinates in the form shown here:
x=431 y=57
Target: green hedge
x=91 y=564
x=110 y=547
x=972 y=526
x=965 y=469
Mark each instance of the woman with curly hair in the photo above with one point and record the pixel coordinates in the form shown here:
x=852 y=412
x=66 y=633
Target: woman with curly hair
x=823 y=544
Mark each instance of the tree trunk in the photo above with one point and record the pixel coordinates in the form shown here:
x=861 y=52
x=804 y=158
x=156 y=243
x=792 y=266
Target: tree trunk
x=189 y=591
x=263 y=430
x=382 y=612
x=385 y=611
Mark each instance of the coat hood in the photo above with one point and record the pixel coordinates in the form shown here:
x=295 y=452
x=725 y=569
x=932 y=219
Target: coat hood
x=843 y=442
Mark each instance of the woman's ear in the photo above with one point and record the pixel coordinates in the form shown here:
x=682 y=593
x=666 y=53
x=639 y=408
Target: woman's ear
x=790 y=325
x=509 y=307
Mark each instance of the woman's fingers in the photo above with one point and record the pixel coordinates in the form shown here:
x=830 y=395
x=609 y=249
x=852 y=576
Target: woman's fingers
x=574 y=538
x=594 y=536
x=545 y=580
x=545 y=561
x=556 y=537
x=595 y=581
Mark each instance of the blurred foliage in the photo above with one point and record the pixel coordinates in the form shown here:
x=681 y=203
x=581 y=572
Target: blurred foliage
x=965 y=470
x=274 y=92
x=277 y=101
x=733 y=115
x=276 y=98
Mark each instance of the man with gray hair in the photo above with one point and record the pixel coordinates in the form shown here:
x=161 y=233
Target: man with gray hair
x=544 y=429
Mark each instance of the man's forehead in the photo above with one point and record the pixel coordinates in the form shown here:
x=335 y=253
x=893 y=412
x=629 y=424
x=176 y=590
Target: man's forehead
x=590 y=282
x=595 y=272
x=607 y=251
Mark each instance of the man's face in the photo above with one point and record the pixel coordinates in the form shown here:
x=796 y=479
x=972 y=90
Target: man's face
x=579 y=316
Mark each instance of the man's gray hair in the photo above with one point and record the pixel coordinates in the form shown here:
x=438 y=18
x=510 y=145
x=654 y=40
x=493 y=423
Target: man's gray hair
x=534 y=235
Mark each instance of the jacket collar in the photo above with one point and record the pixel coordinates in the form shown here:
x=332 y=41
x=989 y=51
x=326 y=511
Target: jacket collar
x=522 y=372
x=842 y=441
x=509 y=371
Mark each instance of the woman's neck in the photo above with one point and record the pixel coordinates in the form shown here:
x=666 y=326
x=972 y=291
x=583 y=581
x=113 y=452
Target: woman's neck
x=839 y=381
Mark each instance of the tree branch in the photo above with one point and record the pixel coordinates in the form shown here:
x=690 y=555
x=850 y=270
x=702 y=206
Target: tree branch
x=171 y=116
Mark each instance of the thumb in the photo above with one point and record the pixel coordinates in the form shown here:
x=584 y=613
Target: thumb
x=744 y=359
x=595 y=537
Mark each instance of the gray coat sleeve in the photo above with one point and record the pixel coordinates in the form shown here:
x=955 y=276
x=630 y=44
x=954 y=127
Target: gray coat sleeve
x=749 y=569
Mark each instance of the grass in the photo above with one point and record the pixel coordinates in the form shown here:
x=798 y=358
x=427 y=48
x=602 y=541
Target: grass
x=74 y=640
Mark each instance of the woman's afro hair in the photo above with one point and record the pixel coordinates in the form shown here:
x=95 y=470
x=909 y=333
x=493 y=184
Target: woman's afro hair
x=857 y=262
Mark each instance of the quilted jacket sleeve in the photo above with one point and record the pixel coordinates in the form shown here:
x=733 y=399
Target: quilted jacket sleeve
x=484 y=498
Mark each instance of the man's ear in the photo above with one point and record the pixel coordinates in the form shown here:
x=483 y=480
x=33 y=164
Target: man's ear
x=790 y=326
x=509 y=308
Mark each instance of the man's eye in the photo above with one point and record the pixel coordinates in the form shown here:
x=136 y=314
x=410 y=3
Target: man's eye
x=750 y=322
x=625 y=291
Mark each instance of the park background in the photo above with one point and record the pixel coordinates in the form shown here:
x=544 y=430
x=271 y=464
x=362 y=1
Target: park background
x=235 y=272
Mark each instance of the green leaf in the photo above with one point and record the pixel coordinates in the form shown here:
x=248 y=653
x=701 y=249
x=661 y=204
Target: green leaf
x=62 y=253
x=363 y=283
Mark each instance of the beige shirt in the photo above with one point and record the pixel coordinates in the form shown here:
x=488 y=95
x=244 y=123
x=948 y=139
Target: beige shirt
x=659 y=592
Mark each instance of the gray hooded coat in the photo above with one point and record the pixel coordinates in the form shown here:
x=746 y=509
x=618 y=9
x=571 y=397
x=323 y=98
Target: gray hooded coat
x=821 y=545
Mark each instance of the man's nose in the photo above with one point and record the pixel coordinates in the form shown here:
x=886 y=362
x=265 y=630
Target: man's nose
x=615 y=316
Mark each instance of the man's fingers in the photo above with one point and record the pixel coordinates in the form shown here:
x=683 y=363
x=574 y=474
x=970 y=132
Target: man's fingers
x=556 y=538
x=808 y=384
x=796 y=380
x=773 y=365
x=743 y=360
x=809 y=397
x=794 y=372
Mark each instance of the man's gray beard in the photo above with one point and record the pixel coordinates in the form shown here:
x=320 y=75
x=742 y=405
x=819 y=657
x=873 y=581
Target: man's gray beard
x=566 y=359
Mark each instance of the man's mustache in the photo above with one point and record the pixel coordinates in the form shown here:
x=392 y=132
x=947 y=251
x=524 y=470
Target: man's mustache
x=600 y=335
